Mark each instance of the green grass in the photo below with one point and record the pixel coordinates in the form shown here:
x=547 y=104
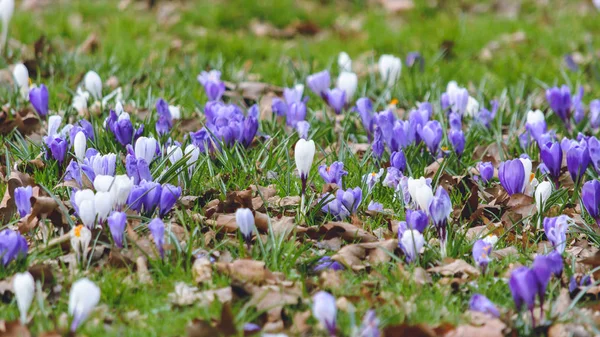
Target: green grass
x=215 y=34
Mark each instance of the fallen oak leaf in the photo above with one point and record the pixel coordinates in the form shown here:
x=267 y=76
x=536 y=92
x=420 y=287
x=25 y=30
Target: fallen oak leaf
x=245 y=271
x=455 y=268
x=359 y=256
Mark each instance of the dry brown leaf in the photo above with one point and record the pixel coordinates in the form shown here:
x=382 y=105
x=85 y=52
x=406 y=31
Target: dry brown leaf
x=245 y=271
x=481 y=325
x=360 y=256
x=185 y=295
x=13 y=329
x=505 y=252
x=455 y=268
x=202 y=270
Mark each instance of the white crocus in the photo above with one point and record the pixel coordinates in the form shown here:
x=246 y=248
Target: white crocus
x=420 y=193
x=245 y=222
x=93 y=84
x=529 y=181
x=80 y=237
x=175 y=111
x=491 y=239
x=122 y=186
x=542 y=193
x=80 y=100
x=344 y=62
x=21 y=77
x=103 y=204
x=304 y=153
x=348 y=81
x=24 y=287
x=412 y=243
x=103 y=183
x=193 y=153
x=53 y=125
x=80 y=145
x=87 y=213
x=82 y=195
x=145 y=148
x=472 y=107
x=389 y=69
x=175 y=154
x=324 y=309
x=534 y=117
x=83 y=298
x=7 y=8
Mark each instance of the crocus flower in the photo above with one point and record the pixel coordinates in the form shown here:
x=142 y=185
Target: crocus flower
x=350 y=198
x=120 y=190
x=344 y=61
x=325 y=311
x=455 y=121
x=385 y=121
x=168 y=197
x=152 y=197
x=348 y=82
x=480 y=303
x=370 y=325
x=164 y=123
x=83 y=298
x=403 y=135
x=319 y=83
x=302 y=127
x=117 y=221
x=375 y=206
x=455 y=99
x=512 y=175
x=392 y=178
x=121 y=127
x=389 y=69
x=136 y=197
x=414 y=58
x=555 y=262
x=416 y=220
x=432 y=134
x=101 y=164
x=336 y=99
x=58 y=148
x=304 y=153
x=333 y=173
x=364 y=107
x=536 y=123
x=578 y=106
x=578 y=281
x=593 y=145
x=541 y=268
x=559 y=100
x=22 y=196
x=595 y=113
x=20 y=72
x=590 y=196
x=213 y=86
x=12 y=246
x=137 y=169
x=371 y=179
x=24 y=289
x=245 y=222
x=103 y=205
x=80 y=145
x=145 y=148
x=333 y=205
x=439 y=211
x=481 y=254
x=524 y=287
x=411 y=242
x=542 y=193
x=93 y=84
x=157 y=228
x=551 y=155
x=294 y=105
x=398 y=160
x=457 y=139
x=420 y=192
x=578 y=159
x=377 y=147
x=486 y=171
x=556 y=231
x=38 y=97
x=485 y=116
x=86 y=208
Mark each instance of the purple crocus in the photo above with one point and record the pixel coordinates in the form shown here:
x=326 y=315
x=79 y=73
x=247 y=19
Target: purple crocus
x=325 y=263
x=431 y=134
x=58 y=148
x=512 y=176
x=385 y=120
x=403 y=135
x=122 y=128
x=13 y=246
x=333 y=173
x=577 y=282
x=590 y=196
x=541 y=268
x=578 y=159
x=486 y=171
x=38 y=97
x=378 y=146
x=325 y=311
x=138 y=169
x=593 y=146
x=551 y=155
x=152 y=197
x=333 y=206
x=595 y=113
x=157 y=228
x=136 y=197
x=439 y=211
x=302 y=127
x=213 y=86
x=457 y=139
x=168 y=197
x=364 y=107
x=416 y=220
x=398 y=160
x=164 y=123
x=319 y=83
x=524 y=287
x=350 y=198
x=481 y=254
x=578 y=106
x=480 y=303
x=375 y=206
x=455 y=121
x=556 y=231
x=413 y=58
x=22 y=197
x=559 y=100
x=336 y=99
x=370 y=325
x=485 y=116
x=116 y=223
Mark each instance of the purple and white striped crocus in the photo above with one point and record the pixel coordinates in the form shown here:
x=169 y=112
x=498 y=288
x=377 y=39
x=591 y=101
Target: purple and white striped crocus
x=157 y=228
x=324 y=309
x=213 y=86
x=38 y=97
x=556 y=231
x=455 y=98
x=370 y=325
x=117 y=221
x=333 y=173
x=22 y=196
x=590 y=196
x=440 y=208
x=481 y=254
x=480 y=303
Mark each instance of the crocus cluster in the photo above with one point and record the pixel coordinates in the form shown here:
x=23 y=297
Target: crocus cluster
x=213 y=86
x=119 y=124
x=344 y=203
x=13 y=246
x=565 y=106
x=293 y=106
x=333 y=173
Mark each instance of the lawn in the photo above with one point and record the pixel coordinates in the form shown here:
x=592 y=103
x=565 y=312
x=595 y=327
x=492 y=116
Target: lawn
x=211 y=280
